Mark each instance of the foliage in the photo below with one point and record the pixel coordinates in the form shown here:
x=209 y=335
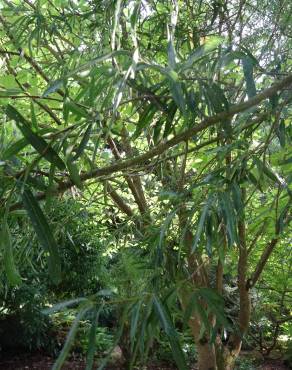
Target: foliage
x=103 y=338
x=245 y=364
x=287 y=355
x=168 y=124
x=23 y=326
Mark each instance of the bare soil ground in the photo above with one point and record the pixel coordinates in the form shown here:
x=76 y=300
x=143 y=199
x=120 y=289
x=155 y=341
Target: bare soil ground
x=41 y=362
x=273 y=365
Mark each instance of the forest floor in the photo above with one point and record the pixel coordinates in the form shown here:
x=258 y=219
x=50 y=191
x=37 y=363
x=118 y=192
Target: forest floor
x=273 y=365
x=39 y=361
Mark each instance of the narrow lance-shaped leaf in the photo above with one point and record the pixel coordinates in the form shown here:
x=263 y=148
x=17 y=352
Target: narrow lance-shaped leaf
x=54 y=86
x=44 y=233
x=200 y=226
x=10 y=92
x=116 y=340
x=145 y=117
x=286 y=161
x=74 y=173
x=76 y=109
x=268 y=171
x=176 y=90
x=165 y=226
x=33 y=117
x=135 y=13
x=171 y=333
x=83 y=143
x=281 y=133
x=201 y=51
x=14 y=148
x=283 y=220
x=69 y=340
x=92 y=338
x=229 y=57
x=247 y=65
x=170 y=49
x=229 y=217
x=44 y=149
x=209 y=234
x=134 y=321
x=9 y=264
x=216 y=304
x=190 y=308
x=237 y=200
x=63 y=305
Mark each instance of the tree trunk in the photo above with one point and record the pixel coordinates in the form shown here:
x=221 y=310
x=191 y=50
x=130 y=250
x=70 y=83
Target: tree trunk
x=226 y=357
x=206 y=351
x=206 y=357
x=213 y=356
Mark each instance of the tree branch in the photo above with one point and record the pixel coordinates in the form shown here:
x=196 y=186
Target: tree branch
x=119 y=201
x=267 y=251
x=129 y=180
x=30 y=60
x=164 y=146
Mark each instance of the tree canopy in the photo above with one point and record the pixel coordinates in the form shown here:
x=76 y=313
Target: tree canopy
x=170 y=122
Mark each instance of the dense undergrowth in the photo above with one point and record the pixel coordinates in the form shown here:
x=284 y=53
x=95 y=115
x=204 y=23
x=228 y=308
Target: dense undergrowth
x=92 y=265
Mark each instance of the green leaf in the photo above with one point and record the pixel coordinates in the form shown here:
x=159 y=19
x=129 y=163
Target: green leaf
x=254 y=181
x=14 y=148
x=134 y=321
x=283 y=220
x=69 y=340
x=83 y=143
x=247 y=65
x=144 y=119
x=116 y=339
x=36 y=182
x=229 y=217
x=209 y=233
x=165 y=226
x=229 y=57
x=268 y=171
x=54 y=86
x=10 y=92
x=74 y=173
x=202 y=51
x=286 y=161
x=171 y=111
x=216 y=97
x=34 y=123
x=44 y=149
x=44 y=234
x=63 y=305
x=190 y=308
x=237 y=200
x=171 y=333
x=9 y=264
x=134 y=14
x=177 y=93
x=91 y=339
x=171 y=54
x=88 y=65
x=216 y=304
x=281 y=133
x=76 y=109
x=201 y=223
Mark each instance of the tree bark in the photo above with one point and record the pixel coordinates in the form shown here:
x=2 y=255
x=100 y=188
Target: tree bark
x=206 y=357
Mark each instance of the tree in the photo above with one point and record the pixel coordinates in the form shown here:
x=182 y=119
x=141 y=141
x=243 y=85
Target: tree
x=178 y=114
